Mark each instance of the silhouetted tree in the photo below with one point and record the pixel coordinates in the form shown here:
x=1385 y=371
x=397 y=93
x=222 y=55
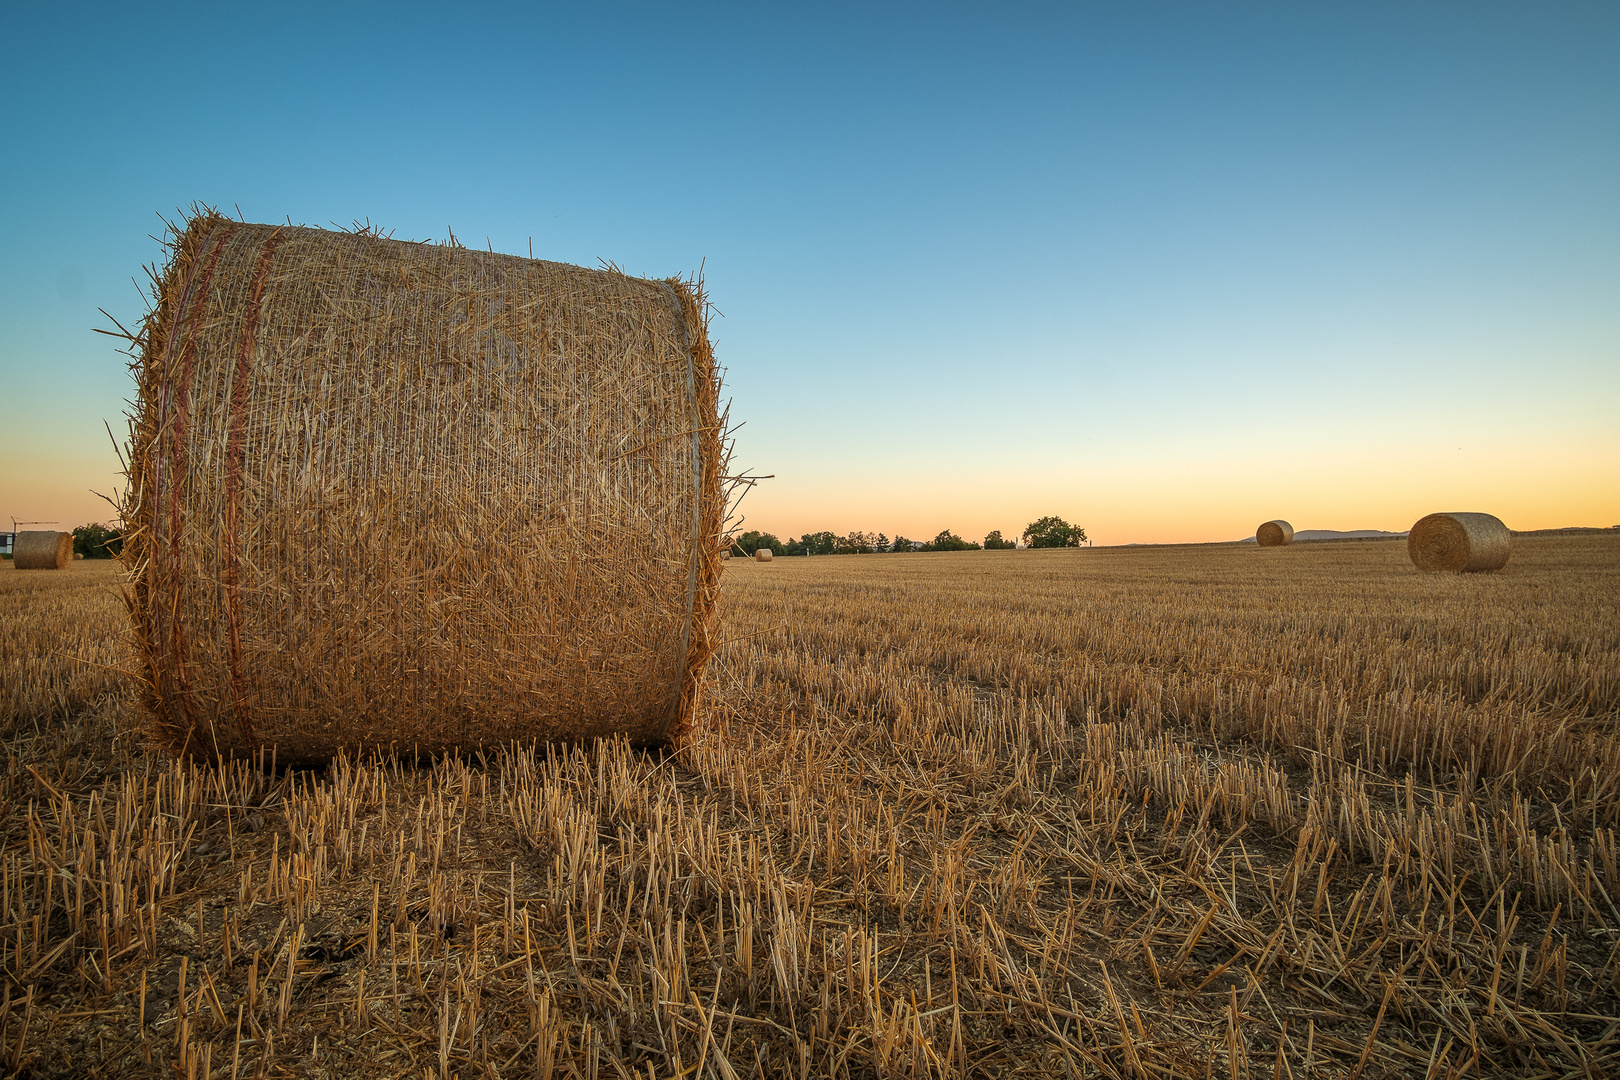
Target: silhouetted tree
x=97 y=542
x=859 y=543
x=752 y=540
x=1051 y=532
x=949 y=541
x=816 y=543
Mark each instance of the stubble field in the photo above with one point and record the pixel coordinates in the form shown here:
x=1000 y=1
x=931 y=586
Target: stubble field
x=1160 y=812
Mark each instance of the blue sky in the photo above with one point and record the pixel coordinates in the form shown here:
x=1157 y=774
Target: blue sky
x=1168 y=270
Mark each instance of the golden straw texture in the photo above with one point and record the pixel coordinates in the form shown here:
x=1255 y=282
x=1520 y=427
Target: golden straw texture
x=762 y=555
x=1459 y=543
x=42 y=550
x=1274 y=534
x=395 y=493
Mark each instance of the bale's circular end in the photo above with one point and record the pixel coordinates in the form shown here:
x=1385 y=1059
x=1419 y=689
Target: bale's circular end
x=762 y=555
x=42 y=550
x=1274 y=533
x=1459 y=543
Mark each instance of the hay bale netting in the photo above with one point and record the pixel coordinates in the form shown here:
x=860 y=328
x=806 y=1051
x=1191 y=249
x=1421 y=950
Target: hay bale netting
x=395 y=493
x=1459 y=543
x=1274 y=534
x=763 y=555
x=42 y=550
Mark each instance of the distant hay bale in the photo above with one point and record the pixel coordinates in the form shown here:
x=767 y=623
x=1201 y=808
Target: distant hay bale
x=726 y=554
x=387 y=493
x=1459 y=543
x=46 y=550
x=1274 y=534
x=763 y=555
x=77 y=556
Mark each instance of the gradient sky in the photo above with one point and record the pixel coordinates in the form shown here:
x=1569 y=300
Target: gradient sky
x=1164 y=269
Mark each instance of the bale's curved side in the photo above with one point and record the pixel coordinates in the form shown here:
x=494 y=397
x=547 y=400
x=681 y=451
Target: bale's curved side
x=1274 y=533
x=762 y=555
x=386 y=493
x=47 y=550
x=1459 y=543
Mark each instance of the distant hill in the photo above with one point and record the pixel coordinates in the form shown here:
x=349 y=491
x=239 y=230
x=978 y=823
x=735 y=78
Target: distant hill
x=1330 y=534
x=1379 y=534
x=1568 y=530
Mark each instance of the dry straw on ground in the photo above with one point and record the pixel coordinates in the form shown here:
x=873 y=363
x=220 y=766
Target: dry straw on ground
x=1459 y=543
x=762 y=555
x=42 y=550
x=1159 y=812
x=1274 y=534
x=399 y=493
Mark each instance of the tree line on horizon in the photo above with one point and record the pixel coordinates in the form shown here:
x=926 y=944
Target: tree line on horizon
x=1046 y=532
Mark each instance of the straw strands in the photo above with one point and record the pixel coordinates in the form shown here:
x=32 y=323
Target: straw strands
x=1459 y=543
x=42 y=550
x=397 y=493
x=1230 y=823
x=1274 y=534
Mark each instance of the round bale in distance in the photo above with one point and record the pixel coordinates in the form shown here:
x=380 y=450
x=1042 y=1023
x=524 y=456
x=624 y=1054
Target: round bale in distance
x=762 y=555
x=42 y=550
x=414 y=495
x=1274 y=534
x=1459 y=543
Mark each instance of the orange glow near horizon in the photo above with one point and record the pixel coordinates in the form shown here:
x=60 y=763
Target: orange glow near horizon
x=1213 y=500
x=55 y=495
x=1221 y=496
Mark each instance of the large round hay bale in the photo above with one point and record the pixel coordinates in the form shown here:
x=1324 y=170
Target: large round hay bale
x=46 y=550
x=1274 y=534
x=387 y=493
x=763 y=555
x=1459 y=543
